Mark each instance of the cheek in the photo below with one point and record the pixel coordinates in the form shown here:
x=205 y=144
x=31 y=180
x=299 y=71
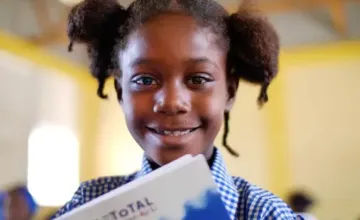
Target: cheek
x=212 y=107
x=135 y=108
x=129 y=106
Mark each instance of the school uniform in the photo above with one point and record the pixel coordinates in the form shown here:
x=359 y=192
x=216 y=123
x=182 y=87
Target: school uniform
x=242 y=200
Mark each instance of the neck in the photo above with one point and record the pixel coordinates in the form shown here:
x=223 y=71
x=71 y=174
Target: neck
x=210 y=161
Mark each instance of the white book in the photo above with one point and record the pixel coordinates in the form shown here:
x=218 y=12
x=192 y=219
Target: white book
x=181 y=190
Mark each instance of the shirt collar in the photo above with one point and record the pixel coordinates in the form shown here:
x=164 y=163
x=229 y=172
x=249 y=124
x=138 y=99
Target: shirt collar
x=223 y=180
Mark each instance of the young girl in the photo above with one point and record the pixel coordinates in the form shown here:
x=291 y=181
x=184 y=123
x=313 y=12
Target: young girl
x=177 y=65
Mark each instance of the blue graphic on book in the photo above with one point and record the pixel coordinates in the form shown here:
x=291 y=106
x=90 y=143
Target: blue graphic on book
x=207 y=206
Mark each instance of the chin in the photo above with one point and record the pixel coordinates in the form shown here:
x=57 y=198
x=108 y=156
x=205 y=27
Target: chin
x=166 y=155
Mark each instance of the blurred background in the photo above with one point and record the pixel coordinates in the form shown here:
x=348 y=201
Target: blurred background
x=55 y=132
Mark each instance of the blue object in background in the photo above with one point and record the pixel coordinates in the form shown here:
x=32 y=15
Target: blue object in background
x=2 y=201
x=29 y=200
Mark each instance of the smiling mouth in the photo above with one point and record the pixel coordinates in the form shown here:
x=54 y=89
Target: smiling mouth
x=172 y=132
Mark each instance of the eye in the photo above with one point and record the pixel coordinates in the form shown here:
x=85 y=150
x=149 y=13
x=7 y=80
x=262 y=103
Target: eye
x=144 y=80
x=199 y=80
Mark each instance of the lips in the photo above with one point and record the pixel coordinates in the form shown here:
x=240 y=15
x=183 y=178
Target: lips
x=173 y=131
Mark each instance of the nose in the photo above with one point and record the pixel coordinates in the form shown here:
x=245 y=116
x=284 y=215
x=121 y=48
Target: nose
x=172 y=100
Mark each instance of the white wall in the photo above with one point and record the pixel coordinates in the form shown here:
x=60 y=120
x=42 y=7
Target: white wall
x=29 y=96
x=17 y=115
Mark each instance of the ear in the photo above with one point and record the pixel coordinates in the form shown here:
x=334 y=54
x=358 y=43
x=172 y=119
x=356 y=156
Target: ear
x=232 y=86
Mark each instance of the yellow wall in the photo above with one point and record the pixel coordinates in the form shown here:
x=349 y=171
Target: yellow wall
x=117 y=152
x=323 y=106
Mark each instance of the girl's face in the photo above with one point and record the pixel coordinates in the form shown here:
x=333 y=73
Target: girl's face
x=174 y=87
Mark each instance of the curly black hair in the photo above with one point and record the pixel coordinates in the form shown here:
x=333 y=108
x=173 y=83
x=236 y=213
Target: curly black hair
x=251 y=41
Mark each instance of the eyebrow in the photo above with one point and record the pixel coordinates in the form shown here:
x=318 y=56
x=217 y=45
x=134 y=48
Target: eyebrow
x=140 y=61
x=198 y=60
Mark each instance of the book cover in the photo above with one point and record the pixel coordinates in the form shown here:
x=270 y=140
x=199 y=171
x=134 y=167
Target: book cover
x=181 y=190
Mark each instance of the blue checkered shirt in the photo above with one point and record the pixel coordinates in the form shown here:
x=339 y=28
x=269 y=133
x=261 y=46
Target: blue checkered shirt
x=242 y=199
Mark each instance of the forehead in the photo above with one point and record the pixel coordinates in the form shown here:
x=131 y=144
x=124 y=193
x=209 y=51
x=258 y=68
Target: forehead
x=173 y=36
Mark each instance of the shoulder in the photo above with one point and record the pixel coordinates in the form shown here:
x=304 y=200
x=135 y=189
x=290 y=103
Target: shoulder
x=92 y=189
x=257 y=203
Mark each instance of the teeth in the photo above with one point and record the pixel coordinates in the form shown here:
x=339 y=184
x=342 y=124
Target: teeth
x=174 y=133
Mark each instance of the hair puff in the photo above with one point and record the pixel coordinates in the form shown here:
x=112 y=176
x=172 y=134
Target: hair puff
x=96 y=23
x=254 y=49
